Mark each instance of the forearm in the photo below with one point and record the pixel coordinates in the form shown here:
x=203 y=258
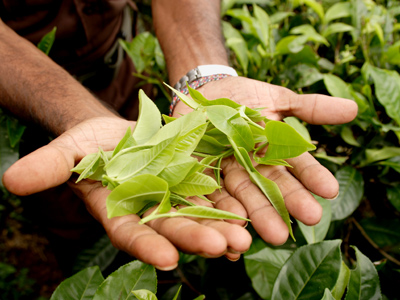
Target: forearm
x=36 y=89
x=190 y=34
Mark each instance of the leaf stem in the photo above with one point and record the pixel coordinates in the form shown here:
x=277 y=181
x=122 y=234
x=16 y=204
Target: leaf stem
x=373 y=244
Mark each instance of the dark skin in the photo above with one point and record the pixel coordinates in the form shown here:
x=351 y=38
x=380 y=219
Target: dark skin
x=34 y=88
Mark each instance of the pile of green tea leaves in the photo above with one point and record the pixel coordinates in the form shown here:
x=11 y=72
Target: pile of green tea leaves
x=163 y=165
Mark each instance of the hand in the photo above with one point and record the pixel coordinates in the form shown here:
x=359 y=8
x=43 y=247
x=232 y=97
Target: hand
x=156 y=243
x=240 y=195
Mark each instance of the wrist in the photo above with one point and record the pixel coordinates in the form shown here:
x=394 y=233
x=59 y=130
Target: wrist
x=198 y=77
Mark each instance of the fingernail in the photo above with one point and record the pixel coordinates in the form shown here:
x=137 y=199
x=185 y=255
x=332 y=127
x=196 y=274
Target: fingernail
x=168 y=268
x=206 y=255
x=233 y=259
x=245 y=225
x=231 y=250
x=337 y=195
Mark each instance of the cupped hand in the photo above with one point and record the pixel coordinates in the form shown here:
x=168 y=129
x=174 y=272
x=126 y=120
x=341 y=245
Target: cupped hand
x=157 y=243
x=243 y=197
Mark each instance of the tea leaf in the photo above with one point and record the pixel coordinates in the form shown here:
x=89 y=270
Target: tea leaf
x=82 y=285
x=149 y=120
x=309 y=268
x=177 y=168
x=342 y=282
x=337 y=11
x=197 y=212
x=269 y=188
x=131 y=196
x=263 y=267
x=284 y=141
x=147 y=161
x=351 y=190
x=364 y=279
x=229 y=122
x=47 y=41
x=195 y=184
x=144 y=295
x=130 y=277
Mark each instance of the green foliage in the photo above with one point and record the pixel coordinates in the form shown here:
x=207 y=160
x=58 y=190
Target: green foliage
x=345 y=49
x=134 y=280
x=154 y=162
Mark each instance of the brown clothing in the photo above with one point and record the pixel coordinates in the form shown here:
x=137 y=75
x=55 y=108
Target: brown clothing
x=86 y=43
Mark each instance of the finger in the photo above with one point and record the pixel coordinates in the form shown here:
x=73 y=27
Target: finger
x=264 y=218
x=298 y=200
x=125 y=233
x=224 y=201
x=313 y=108
x=314 y=176
x=191 y=237
x=237 y=237
x=42 y=169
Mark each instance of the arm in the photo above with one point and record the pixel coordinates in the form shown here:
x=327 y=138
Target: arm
x=189 y=36
x=35 y=88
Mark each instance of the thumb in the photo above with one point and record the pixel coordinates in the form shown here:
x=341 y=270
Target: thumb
x=47 y=167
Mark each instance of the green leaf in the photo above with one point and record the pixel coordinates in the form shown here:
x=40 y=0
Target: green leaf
x=284 y=141
x=8 y=154
x=375 y=155
x=195 y=184
x=351 y=190
x=342 y=282
x=337 y=11
x=87 y=166
x=393 y=162
x=348 y=136
x=305 y=75
x=47 y=41
x=131 y=196
x=262 y=25
x=263 y=267
x=337 y=28
x=189 y=141
x=237 y=43
x=309 y=270
x=147 y=161
x=184 y=98
x=317 y=233
x=179 y=127
x=327 y=295
x=337 y=87
x=385 y=232
x=269 y=188
x=310 y=33
x=315 y=6
x=299 y=127
x=393 y=195
x=196 y=212
x=141 y=50
x=210 y=146
x=387 y=89
x=177 y=168
x=130 y=277
x=82 y=285
x=15 y=130
x=364 y=279
x=144 y=295
x=229 y=121
x=149 y=120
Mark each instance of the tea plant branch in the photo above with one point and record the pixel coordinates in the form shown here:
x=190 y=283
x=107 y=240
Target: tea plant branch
x=373 y=244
